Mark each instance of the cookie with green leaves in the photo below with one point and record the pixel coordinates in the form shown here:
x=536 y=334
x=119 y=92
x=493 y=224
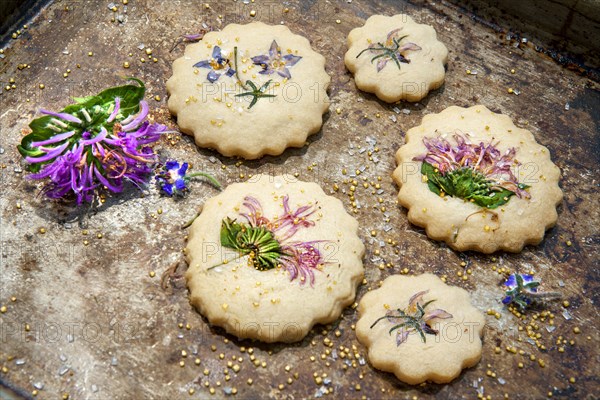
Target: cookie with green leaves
x=249 y=90
x=271 y=257
x=474 y=180
x=420 y=329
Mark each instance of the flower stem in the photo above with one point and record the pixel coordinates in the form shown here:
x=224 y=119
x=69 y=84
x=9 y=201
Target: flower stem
x=235 y=63
x=227 y=261
x=209 y=177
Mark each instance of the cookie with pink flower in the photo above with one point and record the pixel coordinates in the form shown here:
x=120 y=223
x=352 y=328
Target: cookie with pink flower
x=271 y=257
x=396 y=58
x=476 y=181
x=420 y=329
x=249 y=90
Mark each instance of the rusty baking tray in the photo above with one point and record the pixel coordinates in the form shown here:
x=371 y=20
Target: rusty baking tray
x=85 y=320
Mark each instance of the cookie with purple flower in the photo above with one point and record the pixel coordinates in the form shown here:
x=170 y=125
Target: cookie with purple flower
x=396 y=58
x=420 y=329
x=474 y=180
x=249 y=90
x=272 y=257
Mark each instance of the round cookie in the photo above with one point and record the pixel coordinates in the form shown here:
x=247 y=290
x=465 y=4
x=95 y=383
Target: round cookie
x=420 y=329
x=474 y=180
x=396 y=58
x=249 y=90
x=271 y=257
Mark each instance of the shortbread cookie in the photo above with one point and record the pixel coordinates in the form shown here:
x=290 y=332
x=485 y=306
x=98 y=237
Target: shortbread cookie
x=471 y=178
x=396 y=58
x=249 y=90
x=420 y=329
x=271 y=257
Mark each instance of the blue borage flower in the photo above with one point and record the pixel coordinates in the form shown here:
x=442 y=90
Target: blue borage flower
x=523 y=291
x=173 y=179
x=414 y=318
x=100 y=142
x=274 y=62
x=218 y=65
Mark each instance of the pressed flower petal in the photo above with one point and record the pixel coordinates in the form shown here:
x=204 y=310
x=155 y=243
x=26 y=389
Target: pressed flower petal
x=291 y=59
x=212 y=76
x=437 y=313
x=284 y=73
x=261 y=59
x=381 y=63
x=203 y=64
x=273 y=50
x=401 y=336
x=416 y=298
x=216 y=53
x=409 y=46
x=507 y=300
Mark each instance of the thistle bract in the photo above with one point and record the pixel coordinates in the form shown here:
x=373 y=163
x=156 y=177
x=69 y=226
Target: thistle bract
x=479 y=172
x=268 y=243
x=99 y=142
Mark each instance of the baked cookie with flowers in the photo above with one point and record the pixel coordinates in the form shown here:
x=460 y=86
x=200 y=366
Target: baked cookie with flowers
x=420 y=329
x=474 y=180
x=249 y=90
x=396 y=58
x=271 y=257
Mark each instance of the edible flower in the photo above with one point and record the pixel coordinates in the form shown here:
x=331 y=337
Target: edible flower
x=268 y=243
x=477 y=172
x=274 y=62
x=173 y=179
x=413 y=319
x=100 y=143
x=391 y=50
x=218 y=65
x=523 y=291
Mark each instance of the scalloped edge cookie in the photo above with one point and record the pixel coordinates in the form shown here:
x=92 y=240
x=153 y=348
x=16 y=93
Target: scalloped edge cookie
x=414 y=80
x=462 y=224
x=208 y=108
x=274 y=305
x=443 y=356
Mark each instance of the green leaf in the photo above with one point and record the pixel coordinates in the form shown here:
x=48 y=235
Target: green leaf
x=466 y=184
x=103 y=103
x=82 y=99
x=429 y=171
x=229 y=233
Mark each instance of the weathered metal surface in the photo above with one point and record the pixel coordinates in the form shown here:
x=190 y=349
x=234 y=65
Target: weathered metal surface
x=90 y=322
